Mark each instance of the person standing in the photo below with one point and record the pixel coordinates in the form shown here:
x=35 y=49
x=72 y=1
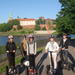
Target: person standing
x=10 y=50
x=64 y=45
x=24 y=46
x=52 y=46
x=31 y=51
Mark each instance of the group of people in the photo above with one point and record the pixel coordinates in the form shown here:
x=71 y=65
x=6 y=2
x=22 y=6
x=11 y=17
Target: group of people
x=29 y=48
x=55 y=48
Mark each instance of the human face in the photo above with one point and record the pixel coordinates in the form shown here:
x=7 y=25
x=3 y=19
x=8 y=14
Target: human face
x=51 y=39
x=64 y=36
x=10 y=40
x=31 y=39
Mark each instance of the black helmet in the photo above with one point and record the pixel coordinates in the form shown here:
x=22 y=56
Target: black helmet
x=52 y=36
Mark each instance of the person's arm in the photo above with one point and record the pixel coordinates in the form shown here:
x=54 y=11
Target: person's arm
x=46 y=48
x=57 y=47
x=27 y=49
x=35 y=48
x=7 y=48
x=14 y=47
x=60 y=44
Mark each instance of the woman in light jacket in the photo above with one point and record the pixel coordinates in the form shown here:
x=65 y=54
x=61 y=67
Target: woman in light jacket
x=31 y=51
x=24 y=46
x=53 y=46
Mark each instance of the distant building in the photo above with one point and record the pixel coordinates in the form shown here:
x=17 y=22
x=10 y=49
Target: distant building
x=30 y=23
x=27 y=23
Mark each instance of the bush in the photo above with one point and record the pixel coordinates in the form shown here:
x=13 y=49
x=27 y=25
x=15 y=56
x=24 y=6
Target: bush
x=2 y=49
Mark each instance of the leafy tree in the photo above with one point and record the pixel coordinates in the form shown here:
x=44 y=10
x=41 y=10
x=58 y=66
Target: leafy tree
x=4 y=27
x=14 y=22
x=66 y=17
x=8 y=26
x=38 y=22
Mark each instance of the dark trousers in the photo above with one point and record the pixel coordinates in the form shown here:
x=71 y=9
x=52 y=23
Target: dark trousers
x=64 y=56
x=11 y=59
x=32 y=60
x=24 y=53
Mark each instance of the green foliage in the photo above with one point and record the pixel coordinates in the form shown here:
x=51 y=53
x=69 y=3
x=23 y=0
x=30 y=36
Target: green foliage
x=66 y=17
x=37 y=27
x=19 y=32
x=2 y=49
x=13 y=22
x=38 y=22
x=4 y=27
x=44 y=28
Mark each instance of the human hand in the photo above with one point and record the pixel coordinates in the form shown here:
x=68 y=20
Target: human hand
x=7 y=51
x=63 y=48
x=13 y=51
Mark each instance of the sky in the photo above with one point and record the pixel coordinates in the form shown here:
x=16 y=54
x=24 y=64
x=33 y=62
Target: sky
x=28 y=9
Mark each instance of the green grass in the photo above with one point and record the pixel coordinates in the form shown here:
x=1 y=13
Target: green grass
x=17 y=32
x=2 y=49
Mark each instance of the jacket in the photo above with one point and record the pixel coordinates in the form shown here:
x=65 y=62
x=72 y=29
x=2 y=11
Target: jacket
x=31 y=48
x=10 y=46
x=50 y=48
x=64 y=45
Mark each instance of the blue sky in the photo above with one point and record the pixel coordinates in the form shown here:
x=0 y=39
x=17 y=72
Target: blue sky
x=28 y=9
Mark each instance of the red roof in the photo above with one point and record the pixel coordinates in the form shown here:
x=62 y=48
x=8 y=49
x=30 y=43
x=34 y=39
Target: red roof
x=25 y=19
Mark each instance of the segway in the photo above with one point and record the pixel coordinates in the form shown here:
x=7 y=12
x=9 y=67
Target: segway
x=67 y=65
x=11 y=71
x=50 y=68
x=28 y=69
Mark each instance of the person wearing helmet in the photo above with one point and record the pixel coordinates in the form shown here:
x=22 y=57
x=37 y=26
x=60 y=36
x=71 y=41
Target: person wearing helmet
x=31 y=51
x=52 y=46
x=10 y=50
x=64 y=45
x=24 y=46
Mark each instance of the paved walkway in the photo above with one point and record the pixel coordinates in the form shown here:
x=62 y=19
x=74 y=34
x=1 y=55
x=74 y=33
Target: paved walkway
x=42 y=62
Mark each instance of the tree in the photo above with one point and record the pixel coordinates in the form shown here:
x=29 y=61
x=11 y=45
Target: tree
x=38 y=22
x=14 y=22
x=8 y=26
x=4 y=27
x=65 y=20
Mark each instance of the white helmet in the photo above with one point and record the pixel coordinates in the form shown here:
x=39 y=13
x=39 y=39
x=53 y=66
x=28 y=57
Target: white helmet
x=30 y=36
x=10 y=37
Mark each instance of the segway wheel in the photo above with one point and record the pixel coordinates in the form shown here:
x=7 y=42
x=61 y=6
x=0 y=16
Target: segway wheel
x=17 y=71
x=74 y=69
x=26 y=71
